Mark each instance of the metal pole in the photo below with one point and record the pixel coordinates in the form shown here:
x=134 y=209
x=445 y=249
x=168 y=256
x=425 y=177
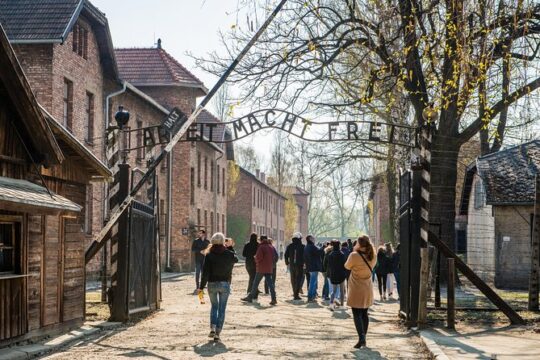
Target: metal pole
x=174 y=140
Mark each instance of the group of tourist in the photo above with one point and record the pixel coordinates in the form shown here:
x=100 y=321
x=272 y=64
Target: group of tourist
x=352 y=263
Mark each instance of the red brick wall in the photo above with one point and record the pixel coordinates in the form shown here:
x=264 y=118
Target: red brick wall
x=46 y=67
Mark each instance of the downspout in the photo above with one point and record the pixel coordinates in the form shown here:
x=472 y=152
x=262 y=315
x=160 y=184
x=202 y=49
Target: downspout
x=169 y=212
x=216 y=186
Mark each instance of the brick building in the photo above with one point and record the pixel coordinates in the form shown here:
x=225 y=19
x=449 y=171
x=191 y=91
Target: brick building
x=65 y=49
x=301 y=198
x=255 y=207
x=196 y=172
x=44 y=188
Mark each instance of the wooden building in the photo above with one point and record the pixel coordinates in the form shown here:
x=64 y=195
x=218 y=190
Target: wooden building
x=44 y=176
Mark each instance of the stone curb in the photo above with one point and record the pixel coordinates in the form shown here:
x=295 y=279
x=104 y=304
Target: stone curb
x=31 y=351
x=434 y=349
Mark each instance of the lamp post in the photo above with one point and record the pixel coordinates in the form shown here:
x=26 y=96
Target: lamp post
x=122 y=118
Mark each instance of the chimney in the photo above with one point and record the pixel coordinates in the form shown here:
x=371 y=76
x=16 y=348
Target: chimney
x=258 y=174
x=263 y=177
x=159 y=43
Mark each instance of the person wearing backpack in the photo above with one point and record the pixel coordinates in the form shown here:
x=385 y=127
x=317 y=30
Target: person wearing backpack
x=294 y=258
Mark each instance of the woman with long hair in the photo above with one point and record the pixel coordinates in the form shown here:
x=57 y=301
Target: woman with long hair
x=360 y=288
x=381 y=270
x=389 y=252
x=217 y=272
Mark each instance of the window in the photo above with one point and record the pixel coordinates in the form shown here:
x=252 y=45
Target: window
x=223 y=181
x=80 y=41
x=479 y=194
x=8 y=250
x=192 y=186
x=254 y=198
x=205 y=220
x=140 y=146
x=211 y=222
x=198 y=169
x=162 y=218
x=89 y=205
x=89 y=123
x=205 y=172
x=223 y=222
x=68 y=105
x=199 y=218
x=212 y=175
x=217 y=185
x=217 y=222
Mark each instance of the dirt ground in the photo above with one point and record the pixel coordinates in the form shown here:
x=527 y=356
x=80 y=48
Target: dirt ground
x=252 y=331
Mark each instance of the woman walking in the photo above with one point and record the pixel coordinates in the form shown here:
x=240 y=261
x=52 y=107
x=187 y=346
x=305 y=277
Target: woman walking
x=336 y=272
x=389 y=252
x=382 y=272
x=360 y=291
x=250 y=249
x=217 y=272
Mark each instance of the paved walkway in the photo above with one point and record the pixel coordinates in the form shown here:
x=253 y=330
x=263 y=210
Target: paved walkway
x=286 y=331
x=482 y=343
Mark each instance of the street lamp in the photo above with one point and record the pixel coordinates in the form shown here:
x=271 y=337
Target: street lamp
x=121 y=117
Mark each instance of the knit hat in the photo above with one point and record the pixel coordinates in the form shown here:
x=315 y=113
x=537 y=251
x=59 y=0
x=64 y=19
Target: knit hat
x=297 y=235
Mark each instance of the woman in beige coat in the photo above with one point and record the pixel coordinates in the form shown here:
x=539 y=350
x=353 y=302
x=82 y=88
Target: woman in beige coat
x=361 y=262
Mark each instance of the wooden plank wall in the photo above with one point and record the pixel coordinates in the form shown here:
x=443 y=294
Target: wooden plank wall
x=12 y=155
x=50 y=271
x=35 y=248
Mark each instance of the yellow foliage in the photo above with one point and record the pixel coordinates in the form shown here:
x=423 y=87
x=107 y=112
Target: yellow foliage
x=234 y=176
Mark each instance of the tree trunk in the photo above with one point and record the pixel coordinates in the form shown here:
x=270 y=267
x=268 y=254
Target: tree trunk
x=442 y=207
x=391 y=185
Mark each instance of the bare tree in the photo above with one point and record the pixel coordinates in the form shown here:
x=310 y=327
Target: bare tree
x=339 y=57
x=247 y=158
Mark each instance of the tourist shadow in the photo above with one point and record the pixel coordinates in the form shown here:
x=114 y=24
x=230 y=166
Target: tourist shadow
x=211 y=348
x=367 y=353
x=295 y=302
x=336 y=314
x=313 y=306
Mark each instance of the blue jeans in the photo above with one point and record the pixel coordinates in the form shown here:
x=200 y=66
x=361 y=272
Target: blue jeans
x=312 y=290
x=198 y=270
x=326 y=287
x=218 y=292
x=257 y=281
x=338 y=289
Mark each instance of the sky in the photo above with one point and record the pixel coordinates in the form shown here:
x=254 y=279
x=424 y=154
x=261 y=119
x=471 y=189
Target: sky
x=183 y=26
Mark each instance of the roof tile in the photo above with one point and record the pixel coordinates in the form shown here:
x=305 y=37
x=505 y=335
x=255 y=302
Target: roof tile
x=509 y=175
x=153 y=66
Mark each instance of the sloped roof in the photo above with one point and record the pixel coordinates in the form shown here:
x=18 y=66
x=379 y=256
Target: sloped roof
x=218 y=132
x=268 y=187
x=32 y=126
x=31 y=20
x=509 y=175
x=51 y=21
x=154 y=67
x=74 y=148
x=296 y=190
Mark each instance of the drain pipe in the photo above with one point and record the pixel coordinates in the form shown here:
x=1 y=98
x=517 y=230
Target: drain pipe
x=169 y=212
x=216 y=186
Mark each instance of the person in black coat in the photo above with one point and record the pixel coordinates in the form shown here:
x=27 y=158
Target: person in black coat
x=336 y=272
x=197 y=248
x=217 y=273
x=382 y=269
x=250 y=249
x=312 y=259
x=294 y=258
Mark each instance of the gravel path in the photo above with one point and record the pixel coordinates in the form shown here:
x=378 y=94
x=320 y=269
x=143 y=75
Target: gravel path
x=252 y=331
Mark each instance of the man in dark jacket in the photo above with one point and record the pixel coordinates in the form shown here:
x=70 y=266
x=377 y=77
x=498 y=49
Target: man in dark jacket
x=294 y=258
x=336 y=272
x=312 y=259
x=264 y=261
x=199 y=245
x=250 y=249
